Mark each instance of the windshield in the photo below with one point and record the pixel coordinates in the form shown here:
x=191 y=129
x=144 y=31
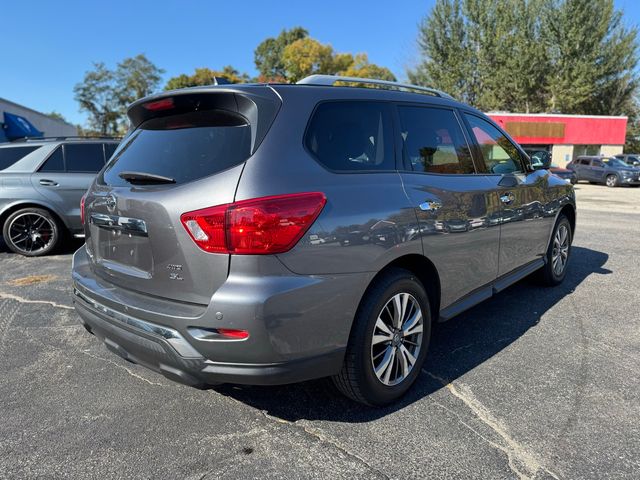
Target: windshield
x=614 y=162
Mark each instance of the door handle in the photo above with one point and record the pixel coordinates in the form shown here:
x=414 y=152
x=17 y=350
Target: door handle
x=430 y=206
x=48 y=183
x=507 y=198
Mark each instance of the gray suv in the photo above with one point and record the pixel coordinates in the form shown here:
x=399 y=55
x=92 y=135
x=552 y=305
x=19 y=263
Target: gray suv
x=611 y=171
x=269 y=234
x=41 y=183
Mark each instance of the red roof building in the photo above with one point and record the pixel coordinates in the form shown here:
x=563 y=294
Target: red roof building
x=565 y=136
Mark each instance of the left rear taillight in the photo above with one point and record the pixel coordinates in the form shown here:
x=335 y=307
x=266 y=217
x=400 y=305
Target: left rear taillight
x=82 y=200
x=260 y=226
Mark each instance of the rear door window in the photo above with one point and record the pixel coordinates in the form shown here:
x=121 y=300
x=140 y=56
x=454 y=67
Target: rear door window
x=55 y=162
x=9 y=156
x=352 y=136
x=84 y=157
x=433 y=142
x=500 y=155
x=184 y=147
x=109 y=148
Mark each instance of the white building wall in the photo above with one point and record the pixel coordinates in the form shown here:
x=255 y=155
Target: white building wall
x=51 y=127
x=610 y=150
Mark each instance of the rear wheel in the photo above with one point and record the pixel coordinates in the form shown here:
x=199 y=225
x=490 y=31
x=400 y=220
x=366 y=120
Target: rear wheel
x=612 y=181
x=558 y=253
x=31 y=232
x=388 y=342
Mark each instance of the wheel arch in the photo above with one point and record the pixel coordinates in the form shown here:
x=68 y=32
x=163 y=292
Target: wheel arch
x=569 y=211
x=424 y=270
x=4 y=215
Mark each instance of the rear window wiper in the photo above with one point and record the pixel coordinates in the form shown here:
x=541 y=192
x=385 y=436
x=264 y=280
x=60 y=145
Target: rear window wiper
x=138 y=178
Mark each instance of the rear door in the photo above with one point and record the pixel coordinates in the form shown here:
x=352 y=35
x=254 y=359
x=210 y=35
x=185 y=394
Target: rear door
x=524 y=230
x=597 y=171
x=66 y=175
x=457 y=209
x=135 y=237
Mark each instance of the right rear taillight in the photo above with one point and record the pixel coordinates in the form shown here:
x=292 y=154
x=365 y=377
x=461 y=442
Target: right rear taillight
x=82 y=200
x=260 y=226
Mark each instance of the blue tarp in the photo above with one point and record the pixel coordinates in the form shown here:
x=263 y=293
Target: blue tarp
x=16 y=126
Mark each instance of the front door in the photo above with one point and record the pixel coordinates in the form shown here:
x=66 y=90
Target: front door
x=524 y=228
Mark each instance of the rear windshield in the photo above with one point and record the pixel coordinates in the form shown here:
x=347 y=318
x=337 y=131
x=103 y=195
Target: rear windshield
x=9 y=156
x=183 y=147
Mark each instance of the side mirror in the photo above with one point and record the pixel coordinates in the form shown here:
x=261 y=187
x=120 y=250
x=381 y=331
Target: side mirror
x=540 y=160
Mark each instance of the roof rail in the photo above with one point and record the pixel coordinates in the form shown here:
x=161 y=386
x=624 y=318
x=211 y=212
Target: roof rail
x=61 y=138
x=330 y=80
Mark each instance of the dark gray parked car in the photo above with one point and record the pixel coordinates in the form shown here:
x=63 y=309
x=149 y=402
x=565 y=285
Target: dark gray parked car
x=268 y=234
x=607 y=170
x=41 y=184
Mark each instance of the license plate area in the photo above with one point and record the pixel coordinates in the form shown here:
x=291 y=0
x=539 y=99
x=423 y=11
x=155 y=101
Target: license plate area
x=121 y=244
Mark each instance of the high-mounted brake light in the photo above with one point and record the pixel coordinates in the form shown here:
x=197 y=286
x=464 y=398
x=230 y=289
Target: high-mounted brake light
x=82 y=200
x=260 y=226
x=164 y=104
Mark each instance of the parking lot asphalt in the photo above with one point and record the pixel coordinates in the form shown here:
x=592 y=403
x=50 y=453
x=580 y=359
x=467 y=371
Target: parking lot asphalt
x=534 y=383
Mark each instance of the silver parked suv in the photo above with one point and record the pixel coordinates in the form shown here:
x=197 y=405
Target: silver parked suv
x=267 y=234
x=41 y=183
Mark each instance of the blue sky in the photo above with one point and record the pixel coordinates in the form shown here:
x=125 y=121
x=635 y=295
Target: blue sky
x=47 y=46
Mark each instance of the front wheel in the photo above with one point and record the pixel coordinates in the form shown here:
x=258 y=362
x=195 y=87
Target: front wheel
x=612 y=181
x=388 y=342
x=31 y=232
x=558 y=253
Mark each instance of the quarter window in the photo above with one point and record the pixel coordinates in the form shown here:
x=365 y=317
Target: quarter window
x=499 y=154
x=10 y=155
x=348 y=136
x=432 y=141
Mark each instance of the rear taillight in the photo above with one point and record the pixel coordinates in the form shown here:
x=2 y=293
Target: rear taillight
x=82 y=200
x=259 y=226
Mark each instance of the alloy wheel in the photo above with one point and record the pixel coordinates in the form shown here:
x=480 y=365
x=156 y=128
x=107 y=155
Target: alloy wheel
x=397 y=339
x=560 y=252
x=31 y=233
x=611 y=181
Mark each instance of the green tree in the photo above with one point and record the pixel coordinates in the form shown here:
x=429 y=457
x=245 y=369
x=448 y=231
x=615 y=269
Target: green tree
x=136 y=77
x=573 y=56
x=206 y=76
x=98 y=97
x=268 y=55
x=593 y=57
x=105 y=94
x=360 y=67
x=448 y=61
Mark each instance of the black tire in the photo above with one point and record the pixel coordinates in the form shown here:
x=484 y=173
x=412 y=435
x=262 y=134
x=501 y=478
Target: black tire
x=612 y=180
x=46 y=240
x=548 y=275
x=357 y=379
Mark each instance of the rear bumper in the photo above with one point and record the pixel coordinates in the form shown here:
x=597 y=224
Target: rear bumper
x=290 y=341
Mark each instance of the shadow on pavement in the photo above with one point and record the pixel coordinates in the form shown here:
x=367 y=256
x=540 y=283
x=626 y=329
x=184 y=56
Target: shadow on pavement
x=457 y=347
